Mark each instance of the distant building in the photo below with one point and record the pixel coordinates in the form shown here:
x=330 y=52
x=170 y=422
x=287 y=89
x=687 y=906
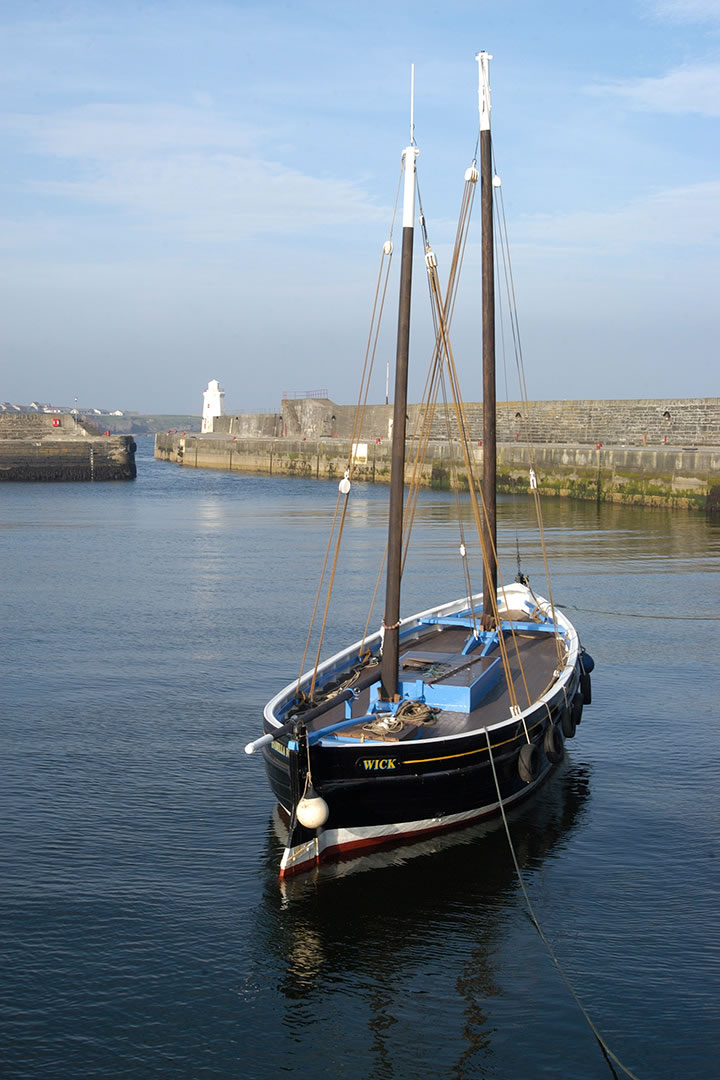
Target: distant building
x=213 y=404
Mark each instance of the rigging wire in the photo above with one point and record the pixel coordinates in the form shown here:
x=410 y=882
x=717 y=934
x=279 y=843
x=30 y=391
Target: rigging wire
x=442 y=357
x=437 y=366
x=443 y=353
x=475 y=490
x=423 y=419
x=500 y=296
x=342 y=498
x=499 y=205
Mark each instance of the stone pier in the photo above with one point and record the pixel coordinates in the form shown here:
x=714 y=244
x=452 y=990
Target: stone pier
x=654 y=476
x=51 y=447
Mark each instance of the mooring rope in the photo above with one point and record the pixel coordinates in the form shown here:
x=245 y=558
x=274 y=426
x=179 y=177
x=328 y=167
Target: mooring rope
x=610 y=1056
x=643 y=615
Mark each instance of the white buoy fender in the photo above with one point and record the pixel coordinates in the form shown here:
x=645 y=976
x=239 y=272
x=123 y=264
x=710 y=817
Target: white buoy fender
x=312 y=810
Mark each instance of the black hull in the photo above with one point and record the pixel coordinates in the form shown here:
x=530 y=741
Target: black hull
x=381 y=794
x=402 y=788
x=355 y=787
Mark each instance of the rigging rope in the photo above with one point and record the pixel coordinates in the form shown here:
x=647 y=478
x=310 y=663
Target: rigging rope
x=474 y=490
x=442 y=360
x=370 y=351
x=414 y=713
x=499 y=206
x=455 y=264
x=420 y=436
x=441 y=314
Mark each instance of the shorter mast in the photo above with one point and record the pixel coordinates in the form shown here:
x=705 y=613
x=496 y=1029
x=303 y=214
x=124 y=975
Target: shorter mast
x=391 y=620
x=489 y=478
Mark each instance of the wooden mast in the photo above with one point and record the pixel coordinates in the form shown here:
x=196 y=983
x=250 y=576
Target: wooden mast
x=391 y=620
x=488 y=321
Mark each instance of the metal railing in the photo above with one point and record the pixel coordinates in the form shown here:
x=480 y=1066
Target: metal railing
x=295 y=395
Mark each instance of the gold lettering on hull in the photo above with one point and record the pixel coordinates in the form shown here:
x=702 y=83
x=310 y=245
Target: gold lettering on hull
x=377 y=764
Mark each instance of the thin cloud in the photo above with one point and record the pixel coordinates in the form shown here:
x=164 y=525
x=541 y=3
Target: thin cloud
x=687 y=89
x=108 y=131
x=687 y=10
x=217 y=198
x=686 y=218
x=186 y=170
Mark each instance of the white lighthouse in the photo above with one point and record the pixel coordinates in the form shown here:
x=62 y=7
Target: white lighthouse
x=213 y=404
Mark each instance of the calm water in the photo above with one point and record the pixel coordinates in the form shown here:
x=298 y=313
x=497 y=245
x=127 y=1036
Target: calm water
x=143 y=932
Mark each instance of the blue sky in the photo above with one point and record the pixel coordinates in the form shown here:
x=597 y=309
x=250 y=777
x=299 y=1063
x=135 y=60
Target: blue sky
x=201 y=190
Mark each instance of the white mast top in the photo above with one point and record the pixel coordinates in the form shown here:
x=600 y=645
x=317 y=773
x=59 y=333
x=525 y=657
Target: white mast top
x=408 y=155
x=412 y=104
x=483 y=59
x=408 y=217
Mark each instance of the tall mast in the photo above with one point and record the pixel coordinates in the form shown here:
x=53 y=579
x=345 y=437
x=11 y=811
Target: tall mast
x=488 y=322
x=391 y=621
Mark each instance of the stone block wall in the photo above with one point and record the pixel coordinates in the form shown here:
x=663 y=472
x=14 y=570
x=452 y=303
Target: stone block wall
x=678 y=422
x=250 y=425
x=32 y=448
x=110 y=458
x=660 y=477
x=41 y=425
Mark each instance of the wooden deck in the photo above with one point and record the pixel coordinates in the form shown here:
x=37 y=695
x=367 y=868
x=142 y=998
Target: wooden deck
x=537 y=658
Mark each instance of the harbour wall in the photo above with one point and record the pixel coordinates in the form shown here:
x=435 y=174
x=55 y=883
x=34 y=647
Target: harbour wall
x=658 y=476
x=675 y=422
x=52 y=447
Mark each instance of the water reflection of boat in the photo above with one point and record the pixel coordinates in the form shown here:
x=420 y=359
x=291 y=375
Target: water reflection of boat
x=371 y=926
x=390 y=939
x=442 y=718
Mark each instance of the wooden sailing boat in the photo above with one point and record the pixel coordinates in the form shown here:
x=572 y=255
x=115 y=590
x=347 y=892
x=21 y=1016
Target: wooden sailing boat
x=441 y=718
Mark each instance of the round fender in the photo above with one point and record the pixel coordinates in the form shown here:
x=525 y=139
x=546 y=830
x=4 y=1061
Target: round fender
x=567 y=722
x=586 y=687
x=312 y=811
x=587 y=662
x=576 y=707
x=528 y=762
x=554 y=744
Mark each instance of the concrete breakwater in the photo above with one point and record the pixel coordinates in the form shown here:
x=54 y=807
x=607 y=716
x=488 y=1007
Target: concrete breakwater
x=658 y=476
x=53 y=447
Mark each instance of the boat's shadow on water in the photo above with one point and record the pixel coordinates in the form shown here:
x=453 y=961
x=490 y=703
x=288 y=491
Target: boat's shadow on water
x=400 y=905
